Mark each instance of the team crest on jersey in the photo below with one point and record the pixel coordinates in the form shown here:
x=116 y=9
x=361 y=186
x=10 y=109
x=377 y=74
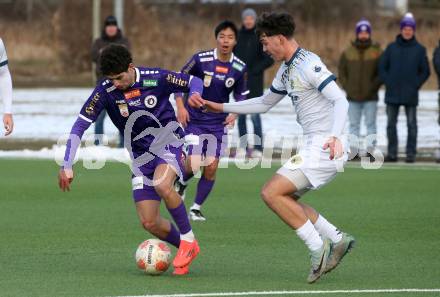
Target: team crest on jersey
x=132 y=94
x=207 y=81
x=150 y=101
x=221 y=69
x=317 y=69
x=229 y=82
x=123 y=109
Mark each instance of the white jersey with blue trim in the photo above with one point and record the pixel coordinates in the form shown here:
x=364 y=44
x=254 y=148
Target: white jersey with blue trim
x=3 y=56
x=302 y=79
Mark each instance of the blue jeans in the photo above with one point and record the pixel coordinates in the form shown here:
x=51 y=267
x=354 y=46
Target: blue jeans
x=242 y=130
x=355 y=111
x=411 y=122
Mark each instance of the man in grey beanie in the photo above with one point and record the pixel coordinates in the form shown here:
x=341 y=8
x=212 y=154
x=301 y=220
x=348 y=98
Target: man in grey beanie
x=250 y=50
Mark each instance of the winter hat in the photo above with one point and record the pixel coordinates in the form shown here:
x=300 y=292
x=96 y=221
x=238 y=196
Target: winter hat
x=110 y=21
x=363 y=25
x=408 y=21
x=248 y=12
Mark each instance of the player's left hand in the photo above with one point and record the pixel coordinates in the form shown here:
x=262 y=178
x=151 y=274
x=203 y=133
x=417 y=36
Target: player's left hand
x=65 y=178
x=8 y=123
x=335 y=146
x=230 y=120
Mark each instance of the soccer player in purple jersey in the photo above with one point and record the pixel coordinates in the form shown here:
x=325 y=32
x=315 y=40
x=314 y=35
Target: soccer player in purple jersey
x=206 y=133
x=137 y=101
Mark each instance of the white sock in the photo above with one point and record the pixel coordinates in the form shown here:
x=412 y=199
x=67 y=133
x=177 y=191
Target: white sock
x=310 y=236
x=326 y=229
x=196 y=206
x=187 y=236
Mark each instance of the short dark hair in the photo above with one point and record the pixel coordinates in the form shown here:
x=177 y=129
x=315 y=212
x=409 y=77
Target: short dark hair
x=115 y=59
x=276 y=23
x=224 y=25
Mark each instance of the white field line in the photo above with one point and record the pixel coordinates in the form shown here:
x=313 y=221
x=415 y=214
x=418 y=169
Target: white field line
x=309 y=292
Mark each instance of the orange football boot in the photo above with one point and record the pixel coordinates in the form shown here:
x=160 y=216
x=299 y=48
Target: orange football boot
x=181 y=270
x=187 y=252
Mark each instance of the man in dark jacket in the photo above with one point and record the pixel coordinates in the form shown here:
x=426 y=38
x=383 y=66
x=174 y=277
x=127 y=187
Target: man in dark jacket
x=111 y=34
x=250 y=50
x=436 y=62
x=403 y=68
x=359 y=76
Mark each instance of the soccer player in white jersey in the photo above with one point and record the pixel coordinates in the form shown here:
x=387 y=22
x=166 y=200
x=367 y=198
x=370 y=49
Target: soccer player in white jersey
x=321 y=109
x=6 y=90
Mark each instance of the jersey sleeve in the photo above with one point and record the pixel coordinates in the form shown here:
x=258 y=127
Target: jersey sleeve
x=175 y=82
x=241 y=88
x=278 y=86
x=3 y=56
x=192 y=66
x=317 y=74
x=93 y=106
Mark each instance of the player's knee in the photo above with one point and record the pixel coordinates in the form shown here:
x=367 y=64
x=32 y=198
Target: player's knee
x=150 y=225
x=163 y=190
x=268 y=195
x=210 y=171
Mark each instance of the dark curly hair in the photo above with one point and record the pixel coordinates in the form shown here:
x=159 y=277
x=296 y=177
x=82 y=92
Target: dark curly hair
x=115 y=59
x=276 y=23
x=224 y=25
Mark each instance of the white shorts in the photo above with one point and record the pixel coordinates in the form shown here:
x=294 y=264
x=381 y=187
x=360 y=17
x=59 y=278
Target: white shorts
x=315 y=164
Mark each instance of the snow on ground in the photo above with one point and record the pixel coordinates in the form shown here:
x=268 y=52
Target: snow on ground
x=49 y=114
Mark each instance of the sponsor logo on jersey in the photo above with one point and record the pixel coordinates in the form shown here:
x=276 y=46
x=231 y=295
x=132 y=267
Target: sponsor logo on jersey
x=120 y=101
x=171 y=78
x=317 y=68
x=221 y=69
x=220 y=76
x=207 y=81
x=237 y=66
x=208 y=59
x=123 y=109
x=136 y=102
x=132 y=94
x=150 y=101
x=110 y=89
x=149 y=83
x=90 y=109
x=229 y=82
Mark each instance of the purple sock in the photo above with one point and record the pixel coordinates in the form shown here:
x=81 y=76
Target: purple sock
x=204 y=187
x=173 y=237
x=180 y=217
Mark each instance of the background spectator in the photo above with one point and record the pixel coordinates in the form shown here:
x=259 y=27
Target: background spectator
x=110 y=34
x=250 y=50
x=403 y=68
x=436 y=62
x=359 y=76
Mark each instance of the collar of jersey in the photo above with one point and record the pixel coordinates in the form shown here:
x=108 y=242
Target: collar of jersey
x=293 y=57
x=137 y=78
x=230 y=60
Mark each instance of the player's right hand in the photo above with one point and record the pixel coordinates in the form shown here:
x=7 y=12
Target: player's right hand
x=183 y=116
x=65 y=178
x=196 y=101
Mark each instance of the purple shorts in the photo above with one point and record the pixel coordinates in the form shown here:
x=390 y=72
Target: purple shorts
x=142 y=178
x=208 y=141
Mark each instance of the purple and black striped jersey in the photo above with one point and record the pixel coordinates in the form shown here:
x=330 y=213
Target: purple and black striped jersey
x=219 y=80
